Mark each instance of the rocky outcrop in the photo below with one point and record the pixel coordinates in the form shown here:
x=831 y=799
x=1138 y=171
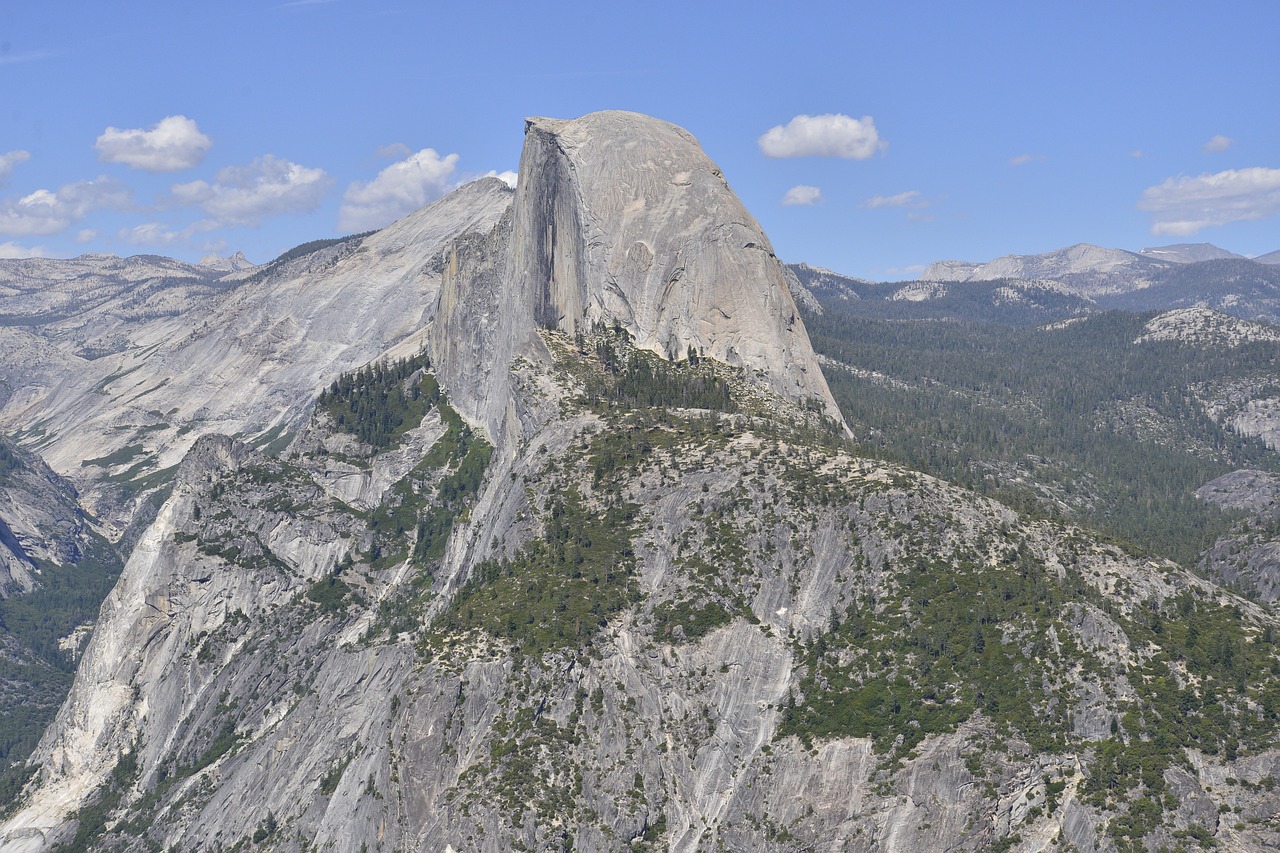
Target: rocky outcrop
x=1207 y=328
x=40 y=521
x=623 y=218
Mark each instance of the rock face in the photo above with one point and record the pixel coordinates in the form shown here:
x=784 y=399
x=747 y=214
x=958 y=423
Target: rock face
x=100 y=378
x=39 y=520
x=616 y=585
x=622 y=218
x=1206 y=327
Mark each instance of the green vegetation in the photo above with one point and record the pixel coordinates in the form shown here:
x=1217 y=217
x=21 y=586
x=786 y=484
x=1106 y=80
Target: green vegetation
x=331 y=593
x=1076 y=422
x=624 y=377
x=694 y=620
x=955 y=638
x=34 y=682
x=413 y=506
x=118 y=457
x=561 y=588
x=9 y=460
x=380 y=402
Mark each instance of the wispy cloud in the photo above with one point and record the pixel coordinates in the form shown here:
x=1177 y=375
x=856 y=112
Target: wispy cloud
x=802 y=195
x=910 y=198
x=1024 y=159
x=298 y=4
x=1183 y=205
x=27 y=56
x=399 y=189
x=246 y=195
x=1217 y=144
x=12 y=251
x=48 y=212
x=830 y=135
x=9 y=161
x=394 y=151
x=159 y=234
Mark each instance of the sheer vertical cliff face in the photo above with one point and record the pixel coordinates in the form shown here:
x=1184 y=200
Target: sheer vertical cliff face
x=618 y=218
x=621 y=217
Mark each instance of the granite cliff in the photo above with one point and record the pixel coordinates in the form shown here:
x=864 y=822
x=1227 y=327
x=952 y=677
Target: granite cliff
x=584 y=561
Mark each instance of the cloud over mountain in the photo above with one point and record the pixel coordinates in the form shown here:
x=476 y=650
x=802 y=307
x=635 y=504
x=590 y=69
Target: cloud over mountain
x=830 y=135
x=174 y=143
x=1183 y=205
x=48 y=212
x=399 y=189
x=246 y=195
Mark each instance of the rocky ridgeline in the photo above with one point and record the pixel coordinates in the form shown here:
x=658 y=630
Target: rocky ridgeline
x=1206 y=327
x=586 y=563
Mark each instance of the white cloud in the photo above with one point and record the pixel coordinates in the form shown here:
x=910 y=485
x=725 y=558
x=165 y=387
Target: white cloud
x=1024 y=159
x=399 y=189
x=1218 y=144
x=246 y=195
x=910 y=198
x=86 y=235
x=1136 y=153
x=802 y=195
x=1181 y=206
x=12 y=251
x=46 y=212
x=174 y=143
x=159 y=234
x=508 y=177
x=8 y=161
x=831 y=135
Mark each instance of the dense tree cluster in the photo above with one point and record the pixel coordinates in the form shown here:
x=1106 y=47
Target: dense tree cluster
x=637 y=379
x=380 y=402
x=1077 y=421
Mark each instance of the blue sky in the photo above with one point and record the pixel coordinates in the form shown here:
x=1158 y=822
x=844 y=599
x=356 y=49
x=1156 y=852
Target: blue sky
x=933 y=131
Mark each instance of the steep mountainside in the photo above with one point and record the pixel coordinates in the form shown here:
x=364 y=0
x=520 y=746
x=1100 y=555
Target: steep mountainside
x=118 y=419
x=54 y=572
x=587 y=561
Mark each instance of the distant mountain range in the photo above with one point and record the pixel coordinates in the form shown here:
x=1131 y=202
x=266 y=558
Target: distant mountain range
x=1117 y=267
x=1077 y=280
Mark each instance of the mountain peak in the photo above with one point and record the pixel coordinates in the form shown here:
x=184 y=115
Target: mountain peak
x=1188 y=253
x=231 y=263
x=623 y=218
